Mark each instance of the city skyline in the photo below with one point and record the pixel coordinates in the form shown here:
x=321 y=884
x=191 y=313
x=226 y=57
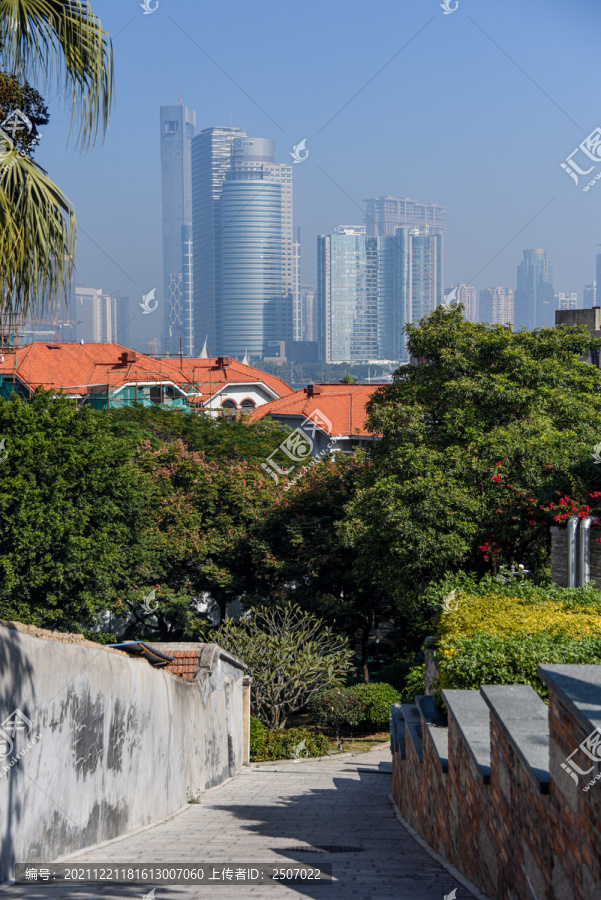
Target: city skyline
x=501 y=195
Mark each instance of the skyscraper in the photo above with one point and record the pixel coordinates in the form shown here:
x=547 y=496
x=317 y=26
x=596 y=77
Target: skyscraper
x=212 y=153
x=534 y=305
x=256 y=249
x=307 y=313
x=370 y=287
x=297 y=327
x=566 y=301
x=495 y=306
x=99 y=317
x=419 y=276
x=589 y=295
x=177 y=124
x=598 y=269
x=244 y=265
x=466 y=295
x=383 y=215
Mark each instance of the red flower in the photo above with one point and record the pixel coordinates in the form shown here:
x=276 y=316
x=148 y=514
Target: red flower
x=496 y=478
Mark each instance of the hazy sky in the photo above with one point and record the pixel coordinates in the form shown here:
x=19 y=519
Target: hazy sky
x=474 y=110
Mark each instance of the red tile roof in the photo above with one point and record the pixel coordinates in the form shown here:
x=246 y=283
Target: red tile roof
x=72 y=367
x=343 y=404
x=212 y=374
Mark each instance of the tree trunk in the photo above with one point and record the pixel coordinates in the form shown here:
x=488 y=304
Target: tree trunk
x=364 y=641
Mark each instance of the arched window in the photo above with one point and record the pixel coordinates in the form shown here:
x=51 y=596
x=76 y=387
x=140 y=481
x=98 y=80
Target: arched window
x=247 y=404
x=228 y=408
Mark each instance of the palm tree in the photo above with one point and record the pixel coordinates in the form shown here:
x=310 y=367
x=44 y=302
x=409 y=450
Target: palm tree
x=58 y=44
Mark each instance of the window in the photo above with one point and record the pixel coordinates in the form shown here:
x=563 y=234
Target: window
x=228 y=408
x=247 y=405
x=171 y=127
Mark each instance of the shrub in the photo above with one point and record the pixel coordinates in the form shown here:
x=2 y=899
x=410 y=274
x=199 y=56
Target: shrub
x=498 y=635
x=362 y=707
x=376 y=699
x=291 y=655
x=257 y=736
x=266 y=744
x=337 y=709
x=415 y=684
x=491 y=659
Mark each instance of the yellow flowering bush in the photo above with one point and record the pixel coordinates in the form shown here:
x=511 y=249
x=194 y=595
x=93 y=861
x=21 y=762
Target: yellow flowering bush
x=499 y=634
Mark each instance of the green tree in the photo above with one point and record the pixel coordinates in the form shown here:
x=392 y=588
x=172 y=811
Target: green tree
x=291 y=655
x=295 y=553
x=197 y=512
x=72 y=513
x=218 y=439
x=493 y=427
x=61 y=44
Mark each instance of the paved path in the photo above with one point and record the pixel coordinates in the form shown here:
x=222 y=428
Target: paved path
x=285 y=814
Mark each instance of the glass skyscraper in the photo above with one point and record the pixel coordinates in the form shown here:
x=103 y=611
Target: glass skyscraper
x=251 y=251
x=534 y=302
x=212 y=155
x=177 y=124
x=244 y=271
x=370 y=287
x=383 y=215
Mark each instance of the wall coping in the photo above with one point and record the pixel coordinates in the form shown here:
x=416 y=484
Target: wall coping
x=472 y=718
x=578 y=687
x=524 y=720
x=435 y=722
x=397 y=730
x=413 y=722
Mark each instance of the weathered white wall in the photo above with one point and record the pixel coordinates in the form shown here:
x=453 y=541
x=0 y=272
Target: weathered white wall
x=120 y=743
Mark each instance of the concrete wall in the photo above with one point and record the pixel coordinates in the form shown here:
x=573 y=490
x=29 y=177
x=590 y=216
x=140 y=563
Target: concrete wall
x=120 y=743
x=506 y=788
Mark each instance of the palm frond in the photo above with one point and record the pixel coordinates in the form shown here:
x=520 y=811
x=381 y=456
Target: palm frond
x=37 y=237
x=62 y=40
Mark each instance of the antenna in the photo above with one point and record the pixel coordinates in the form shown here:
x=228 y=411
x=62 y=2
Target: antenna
x=181 y=102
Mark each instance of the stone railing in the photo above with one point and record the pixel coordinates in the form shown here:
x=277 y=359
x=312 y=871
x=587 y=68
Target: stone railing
x=501 y=787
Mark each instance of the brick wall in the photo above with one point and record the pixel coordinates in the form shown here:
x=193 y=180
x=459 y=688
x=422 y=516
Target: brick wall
x=486 y=788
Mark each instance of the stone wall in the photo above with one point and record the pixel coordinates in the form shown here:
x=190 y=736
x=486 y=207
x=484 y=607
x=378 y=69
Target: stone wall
x=492 y=790
x=103 y=743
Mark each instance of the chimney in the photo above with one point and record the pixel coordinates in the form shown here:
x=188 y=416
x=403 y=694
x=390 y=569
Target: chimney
x=127 y=357
x=313 y=390
x=223 y=361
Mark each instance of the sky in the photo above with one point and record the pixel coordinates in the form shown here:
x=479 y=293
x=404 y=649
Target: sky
x=474 y=109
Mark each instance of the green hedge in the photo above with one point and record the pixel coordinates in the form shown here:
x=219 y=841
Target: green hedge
x=362 y=707
x=491 y=659
x=498 y=634
x=288 y=744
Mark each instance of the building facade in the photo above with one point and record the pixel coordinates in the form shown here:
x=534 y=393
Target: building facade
x=99 y=317
x=566 y=301
x=383 y=215
x=589 y=295
x=369 y=288
x=466 y=295
x=212 y=154
x=495 y=306
x=534 y=304
x=246 y=266
x=177 y=126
